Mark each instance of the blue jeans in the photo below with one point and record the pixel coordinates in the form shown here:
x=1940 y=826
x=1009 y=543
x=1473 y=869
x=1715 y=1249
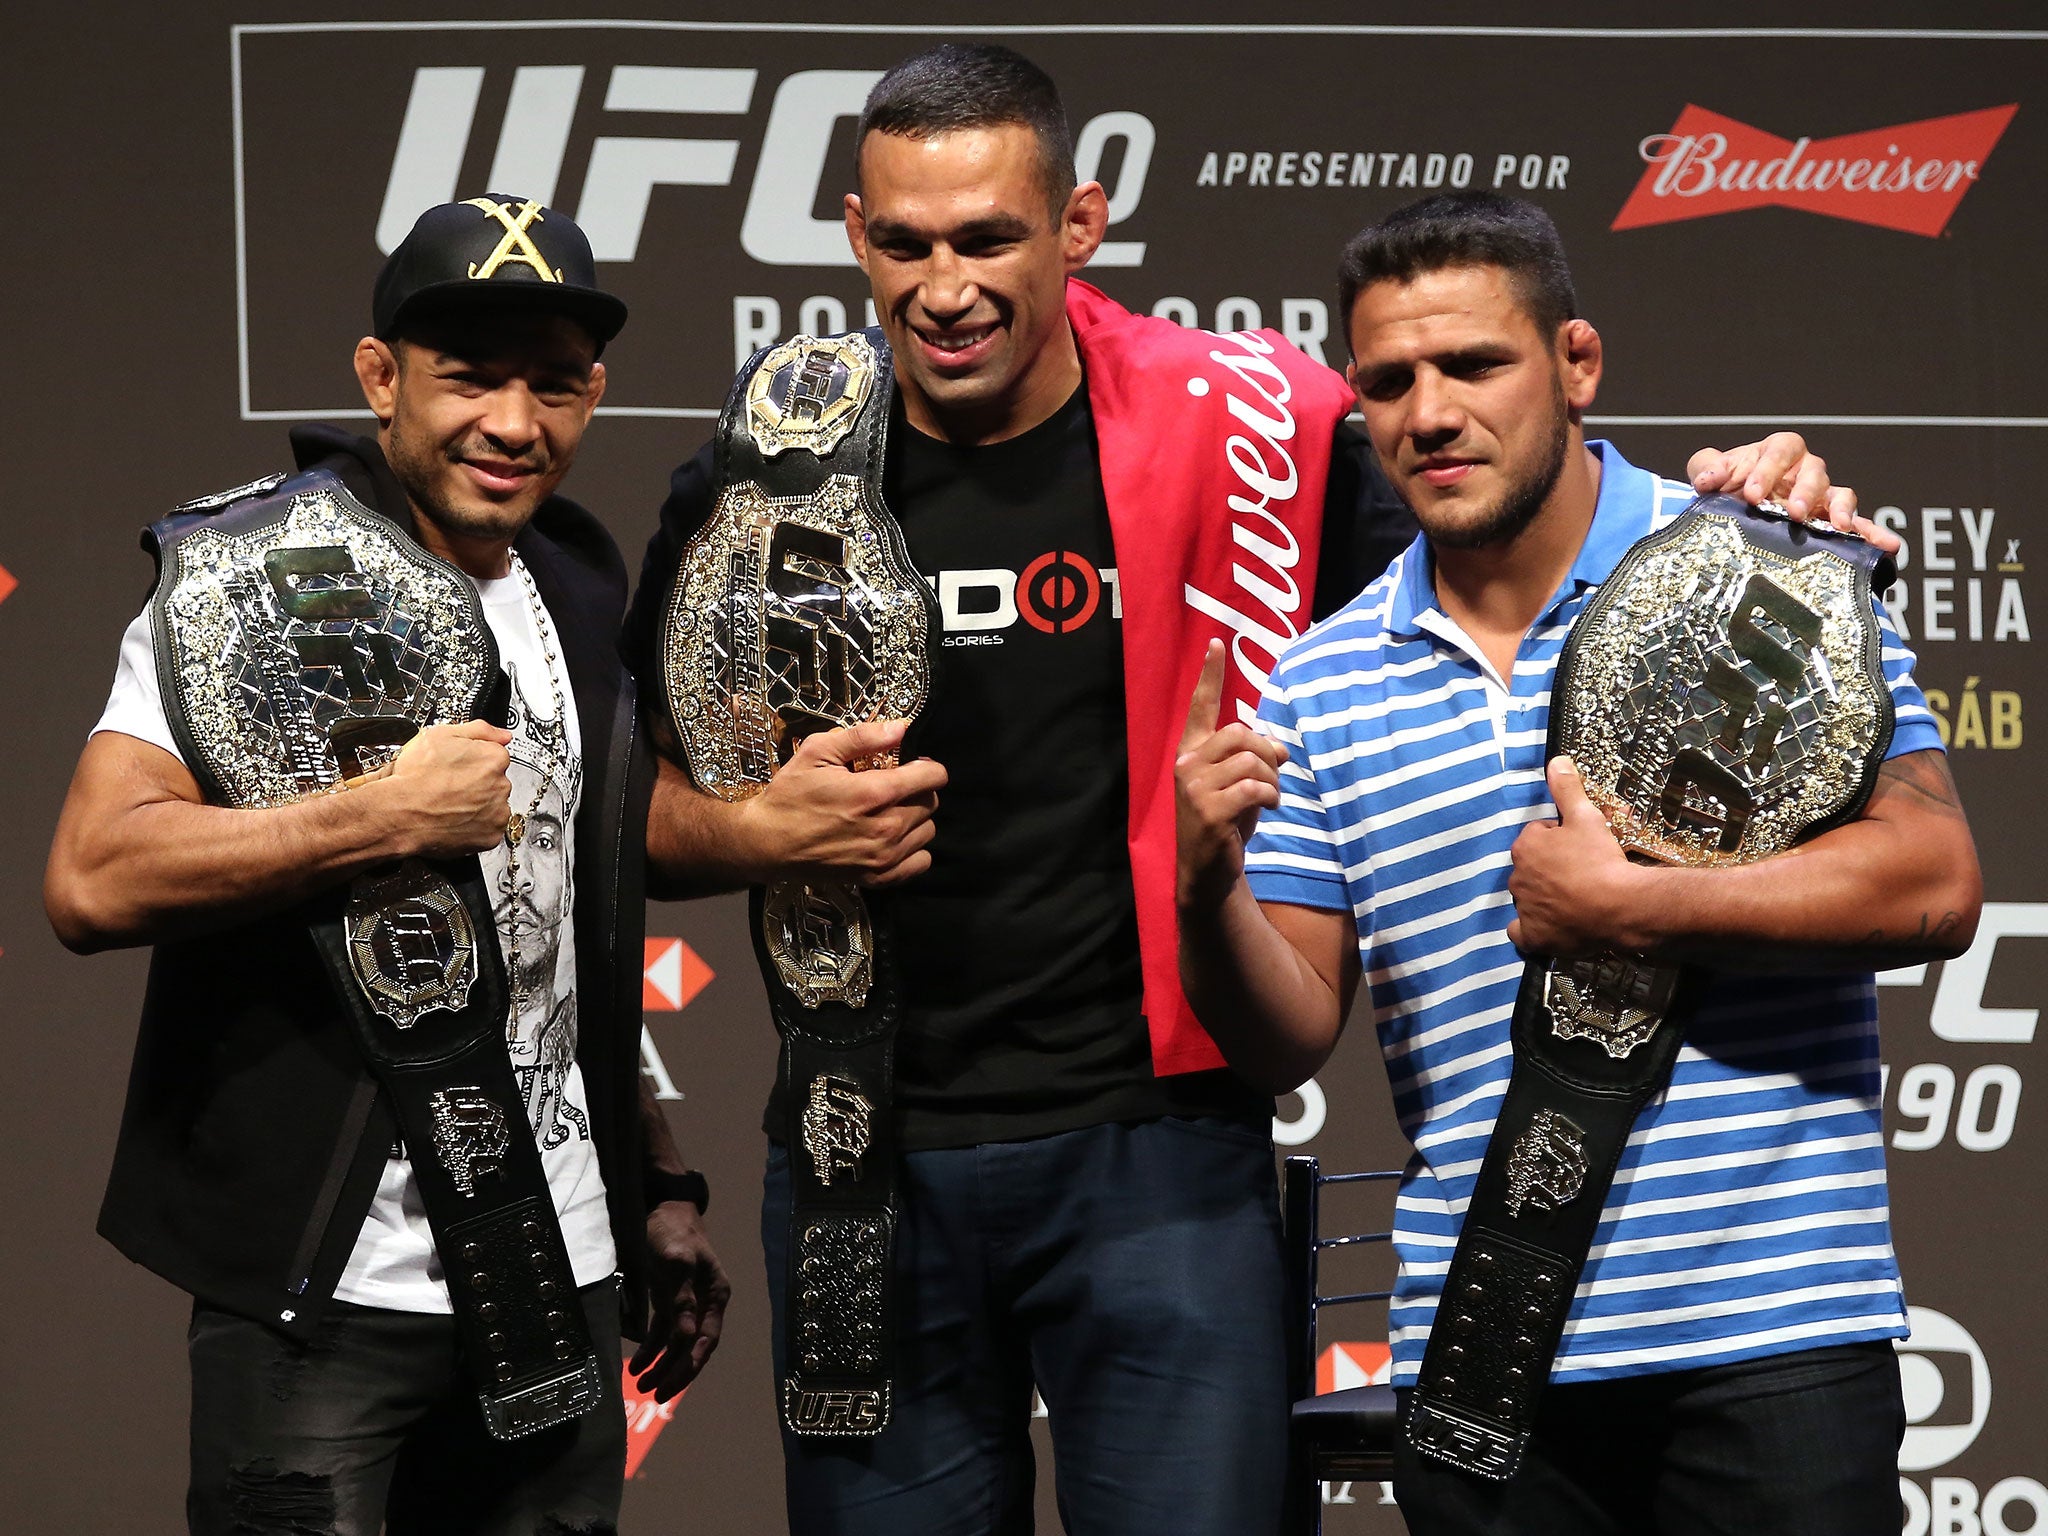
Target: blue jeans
x=372 y=1425
x=1133 y=1272
x=1802 y=1444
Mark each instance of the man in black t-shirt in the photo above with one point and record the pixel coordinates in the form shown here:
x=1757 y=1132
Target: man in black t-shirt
x=1021 y=935
x=1070 y=1217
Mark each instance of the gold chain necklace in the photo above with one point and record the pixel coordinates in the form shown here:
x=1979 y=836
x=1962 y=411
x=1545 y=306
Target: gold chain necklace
x=515 y=825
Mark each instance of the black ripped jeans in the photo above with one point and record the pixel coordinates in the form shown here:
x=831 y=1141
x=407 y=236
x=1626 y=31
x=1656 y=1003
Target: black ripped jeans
x=372 y=1426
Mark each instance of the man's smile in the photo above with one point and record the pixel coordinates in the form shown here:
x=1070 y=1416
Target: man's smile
x=500 y=477
x=957 y=347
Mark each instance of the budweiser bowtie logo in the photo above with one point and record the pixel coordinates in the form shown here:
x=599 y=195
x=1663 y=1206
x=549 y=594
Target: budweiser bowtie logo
x=1910 y=177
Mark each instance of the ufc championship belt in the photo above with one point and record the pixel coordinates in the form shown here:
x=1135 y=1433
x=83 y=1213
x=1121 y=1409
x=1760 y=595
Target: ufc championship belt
x=301 y=640
x=1723 y=699
x=796 y=609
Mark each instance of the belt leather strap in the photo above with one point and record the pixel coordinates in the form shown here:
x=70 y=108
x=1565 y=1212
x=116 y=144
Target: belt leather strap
x=449 y=1079
x=1560 y=1132
x=795 y=610
x=300 y=640
x=840 y=1317
x=1723 y=698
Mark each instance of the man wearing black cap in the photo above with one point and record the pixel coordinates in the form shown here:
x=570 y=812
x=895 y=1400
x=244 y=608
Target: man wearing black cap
x=258 y=1166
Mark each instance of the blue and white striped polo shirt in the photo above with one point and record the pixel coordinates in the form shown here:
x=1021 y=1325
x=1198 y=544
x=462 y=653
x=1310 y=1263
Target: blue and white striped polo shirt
x=1748 y=1216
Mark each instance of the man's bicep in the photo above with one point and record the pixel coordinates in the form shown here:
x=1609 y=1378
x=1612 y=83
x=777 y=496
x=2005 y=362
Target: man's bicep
x=1928 y=837
x=99 y=836
x=1916 y=789
x=1327 y=941
x=118 y=773
x=1919 y=861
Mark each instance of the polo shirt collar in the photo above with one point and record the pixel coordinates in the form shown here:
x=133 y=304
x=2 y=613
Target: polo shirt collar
x=1628 y=497
x=1415 y=594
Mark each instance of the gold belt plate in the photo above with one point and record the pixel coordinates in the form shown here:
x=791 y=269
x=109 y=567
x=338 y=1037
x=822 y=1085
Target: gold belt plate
x=796 y=614
x=1719 y=703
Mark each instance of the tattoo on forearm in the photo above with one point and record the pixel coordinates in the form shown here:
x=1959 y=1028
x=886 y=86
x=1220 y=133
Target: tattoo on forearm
x=1925 y=776
x=1931 y=931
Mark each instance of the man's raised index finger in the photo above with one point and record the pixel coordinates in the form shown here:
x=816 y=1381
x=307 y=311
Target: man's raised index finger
x=1207 y=699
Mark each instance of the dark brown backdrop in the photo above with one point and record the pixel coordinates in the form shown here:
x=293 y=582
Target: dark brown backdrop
x=195 y=195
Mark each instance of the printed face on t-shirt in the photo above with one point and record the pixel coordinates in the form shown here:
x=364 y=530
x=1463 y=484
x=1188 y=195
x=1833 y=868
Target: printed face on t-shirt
x=532 y=899
x=531 y=904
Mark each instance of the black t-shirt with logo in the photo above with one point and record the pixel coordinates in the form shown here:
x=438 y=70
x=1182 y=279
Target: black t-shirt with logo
x=1019 y=947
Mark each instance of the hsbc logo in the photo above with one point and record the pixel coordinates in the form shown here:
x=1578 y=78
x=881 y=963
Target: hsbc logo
x=1343 y=1366
x=671 y=976
x=623 y=172
x=1907 y=178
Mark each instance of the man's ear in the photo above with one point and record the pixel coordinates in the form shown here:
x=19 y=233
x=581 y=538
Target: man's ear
x=377 y=371
x=596 y=391
x=857 y=229
x=1581 y=358
x=1083 y=223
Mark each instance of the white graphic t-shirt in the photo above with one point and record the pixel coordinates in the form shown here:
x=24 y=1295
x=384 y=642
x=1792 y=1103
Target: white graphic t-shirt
x=394 y=1265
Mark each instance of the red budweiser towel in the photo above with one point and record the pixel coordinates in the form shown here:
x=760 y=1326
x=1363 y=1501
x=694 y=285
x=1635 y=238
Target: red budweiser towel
x=1215 y=452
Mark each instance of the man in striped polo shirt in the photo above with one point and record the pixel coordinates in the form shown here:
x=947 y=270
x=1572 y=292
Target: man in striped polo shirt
x=1726 y=1363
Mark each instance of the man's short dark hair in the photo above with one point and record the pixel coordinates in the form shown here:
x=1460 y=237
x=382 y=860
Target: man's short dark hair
x=980 y=85
x=1464 y=229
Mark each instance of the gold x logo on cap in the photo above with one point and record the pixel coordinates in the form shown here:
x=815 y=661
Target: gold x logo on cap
x=516 y=245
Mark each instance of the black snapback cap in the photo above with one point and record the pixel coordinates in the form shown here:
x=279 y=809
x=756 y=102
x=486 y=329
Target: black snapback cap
x=493 y=249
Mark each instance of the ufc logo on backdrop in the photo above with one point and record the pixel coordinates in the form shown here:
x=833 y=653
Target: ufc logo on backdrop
x=1959 y=1012
x=623 y=171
